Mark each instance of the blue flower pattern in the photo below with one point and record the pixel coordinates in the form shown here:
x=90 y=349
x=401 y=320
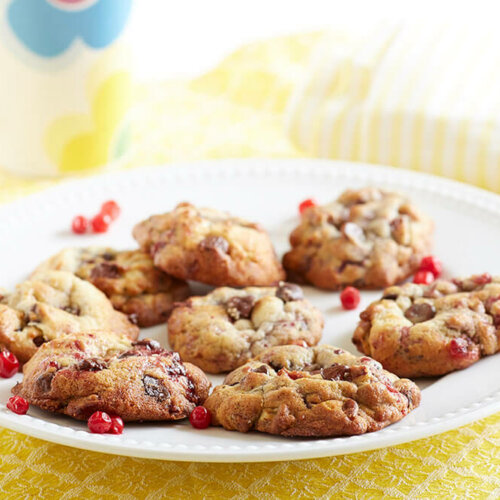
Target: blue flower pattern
x=49 y=31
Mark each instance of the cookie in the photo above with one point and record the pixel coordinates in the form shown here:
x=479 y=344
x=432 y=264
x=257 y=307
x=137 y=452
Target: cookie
x=87 y=372
x=53 y=304
x=210 y=246
x=312 y=392
x=129 y=278
x=367 y=238
x=224 y=329
x=430 y=330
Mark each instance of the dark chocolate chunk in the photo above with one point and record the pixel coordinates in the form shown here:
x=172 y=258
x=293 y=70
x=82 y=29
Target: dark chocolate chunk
x=240 y=307
x=105 y=270
x=336 y=372
x=72 y=310
x=154 y=387
x=289 y=292
x=350 y=408
x=152 y=345
x=39 y=340
x=261 y=369
x=44 y=382
x=90 y=365
x=417 y=313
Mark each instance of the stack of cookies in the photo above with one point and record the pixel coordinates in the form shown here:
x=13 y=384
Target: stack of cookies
x=75 y=323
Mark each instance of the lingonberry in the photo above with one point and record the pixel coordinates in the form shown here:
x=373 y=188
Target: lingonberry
x=9 y=364
x=200 y=417
x=423 y=277
x=99 y=422
x=101 y=222
x=350 y=298
x=432 y=264
x=18 y=405
x=310 y=202
x=111 y=208
x=79 y=224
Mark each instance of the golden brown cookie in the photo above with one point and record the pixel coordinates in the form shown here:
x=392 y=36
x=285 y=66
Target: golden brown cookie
x=429 y=330
x=313 y=392
x=54 y=304
x=224 y=329
x=129 y=279
x=83 y=373
x=210 y=246
x=368 y=238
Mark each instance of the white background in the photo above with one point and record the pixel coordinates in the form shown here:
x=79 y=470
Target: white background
x=187 y=37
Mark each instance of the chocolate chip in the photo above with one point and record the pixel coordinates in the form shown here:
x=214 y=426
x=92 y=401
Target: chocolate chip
x=289 y=292
x=214 y=243
x=39 y=340
x=240 y=307
x=154 y=387
x=350 y=408
x=336 y=372
x=261 y=369
x=90 y=365
x=72 y=310
x=105 y=270
x=44 y=382
x=417 y=313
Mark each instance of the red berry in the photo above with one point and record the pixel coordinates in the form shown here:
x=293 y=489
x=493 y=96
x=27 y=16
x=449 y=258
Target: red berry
x=458 y=348
x=111 y=208
x=9 y=365
x=200 y=418
x=350 y=298
x=116 y=425
x=18 y=405
x=432 y=264
x=101 y=222
x=80 y=224
x=423 y=277
x=482 y=279
x=310 y=202
x=99 y=422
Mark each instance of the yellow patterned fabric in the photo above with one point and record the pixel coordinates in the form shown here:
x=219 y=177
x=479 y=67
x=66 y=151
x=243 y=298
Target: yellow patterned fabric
x=238 y=110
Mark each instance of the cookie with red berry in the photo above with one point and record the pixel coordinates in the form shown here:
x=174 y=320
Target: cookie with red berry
x=54 y=304
x=224 y=329
x=418 y=330
x=129 y=278
x=210 y=246
x=85 y=373
x=311 y=392
x=368 y=238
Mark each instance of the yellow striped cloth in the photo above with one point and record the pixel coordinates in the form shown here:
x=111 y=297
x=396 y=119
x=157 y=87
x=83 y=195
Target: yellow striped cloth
x=415 y=95
x=238 y=110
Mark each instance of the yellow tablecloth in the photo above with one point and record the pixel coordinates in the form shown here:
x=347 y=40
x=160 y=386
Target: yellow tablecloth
x=238 y=111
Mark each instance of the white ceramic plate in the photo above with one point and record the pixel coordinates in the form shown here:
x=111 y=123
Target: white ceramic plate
x=267 y=191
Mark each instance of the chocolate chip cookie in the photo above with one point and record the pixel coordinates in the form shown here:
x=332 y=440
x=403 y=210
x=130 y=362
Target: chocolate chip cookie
x=429 y=330
x=53 y=304
x=87 y=372
x=224 y=329
x=129 y=278
x=368 y=238
x=313 y=392
x=210 y=246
